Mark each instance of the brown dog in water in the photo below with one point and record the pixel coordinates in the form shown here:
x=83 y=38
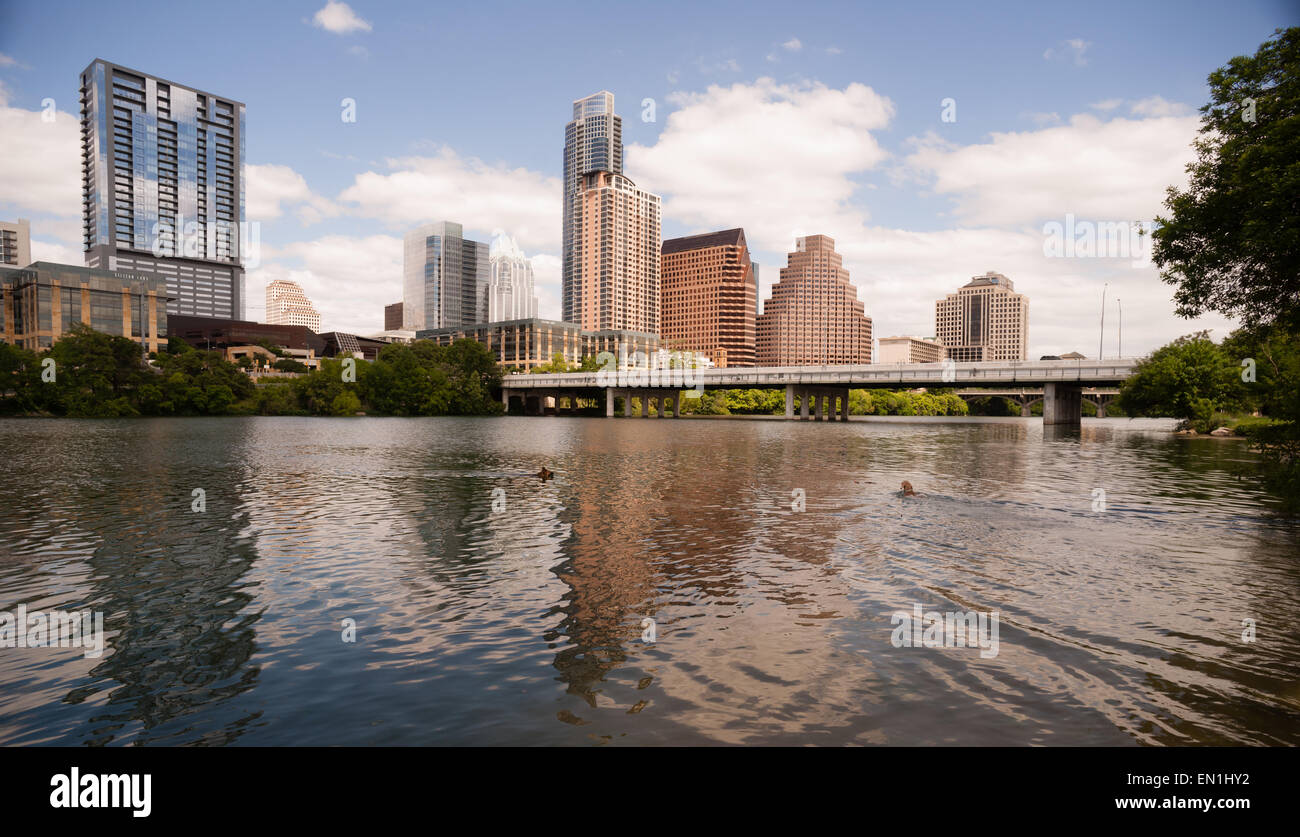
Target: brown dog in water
x=907 y=490
x=545 y=474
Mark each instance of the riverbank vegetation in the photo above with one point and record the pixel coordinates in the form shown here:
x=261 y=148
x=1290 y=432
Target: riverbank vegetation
x=1230 y=244
x=88 y=374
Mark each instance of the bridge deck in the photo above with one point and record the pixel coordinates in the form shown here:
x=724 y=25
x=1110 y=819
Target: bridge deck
x=998 y=374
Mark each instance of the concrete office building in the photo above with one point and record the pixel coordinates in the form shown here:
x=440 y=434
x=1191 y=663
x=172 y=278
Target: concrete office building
x=16 y=243
x=814 y=316
x=611 y=229
x=511 y=294
x=286 y=304
x=444 y=278
x=985 y=320
x=909 y=350
x=41 y=301
x=163 y=186
x=708 y=292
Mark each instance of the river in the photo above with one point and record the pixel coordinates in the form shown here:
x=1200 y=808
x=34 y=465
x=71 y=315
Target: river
x=687 y=581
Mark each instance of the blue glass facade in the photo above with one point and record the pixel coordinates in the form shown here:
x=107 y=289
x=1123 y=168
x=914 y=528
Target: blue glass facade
x=164 y=186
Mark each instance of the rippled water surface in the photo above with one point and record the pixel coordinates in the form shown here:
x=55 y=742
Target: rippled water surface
x=523 y=625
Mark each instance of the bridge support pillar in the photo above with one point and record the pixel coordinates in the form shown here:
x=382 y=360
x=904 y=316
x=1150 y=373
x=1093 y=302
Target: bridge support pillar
x=1025 y=409
x=803 y=404
x=645 y=403
x=1062 y=404
x=609 y=403
x=844 y=405
x=789 y=401
x=818 y=398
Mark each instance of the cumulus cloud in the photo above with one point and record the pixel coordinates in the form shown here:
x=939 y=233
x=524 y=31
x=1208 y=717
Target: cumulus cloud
x=1116 y=169
x=1157 y=106
x=41 y=164
x=449 y=187
x=792 y=45
x=339 y=18
x=272 y=188
x=348 y=278
x=775 y=158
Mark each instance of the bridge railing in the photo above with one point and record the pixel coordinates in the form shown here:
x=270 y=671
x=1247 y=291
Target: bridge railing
x=862 y=375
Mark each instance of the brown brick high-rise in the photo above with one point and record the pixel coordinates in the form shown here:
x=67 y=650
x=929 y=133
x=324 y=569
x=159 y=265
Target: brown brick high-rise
x=814 y=316
x=708 y=297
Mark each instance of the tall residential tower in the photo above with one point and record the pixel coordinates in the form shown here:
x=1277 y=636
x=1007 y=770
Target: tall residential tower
x=611 y=236
x=163 y=186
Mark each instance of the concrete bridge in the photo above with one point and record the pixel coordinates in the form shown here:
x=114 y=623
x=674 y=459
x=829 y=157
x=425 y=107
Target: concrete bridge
x=822 y=392
x=1027 y=398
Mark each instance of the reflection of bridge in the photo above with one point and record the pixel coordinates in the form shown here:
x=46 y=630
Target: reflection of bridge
x=1028 y=397
x=824 y=390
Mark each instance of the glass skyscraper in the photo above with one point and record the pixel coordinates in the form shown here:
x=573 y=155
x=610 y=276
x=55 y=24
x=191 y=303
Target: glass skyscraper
x=445 y=278
x=163 y=186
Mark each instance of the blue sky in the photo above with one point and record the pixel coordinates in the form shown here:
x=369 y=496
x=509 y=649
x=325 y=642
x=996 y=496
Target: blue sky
x=831 y=112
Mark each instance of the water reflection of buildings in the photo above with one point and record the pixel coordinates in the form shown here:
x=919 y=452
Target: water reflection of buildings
x=741 y=585
x=173 y=591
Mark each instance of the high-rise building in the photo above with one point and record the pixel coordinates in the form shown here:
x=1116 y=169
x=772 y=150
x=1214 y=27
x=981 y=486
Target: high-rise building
x=909 y=350
x=16 y=243
x=445 y=278
x=708 y=297
x=510 y=288
x=610 y=258
x=286 y=304
x=163 y=186
x=813 y=316
x=985 y=320
x=393 y=317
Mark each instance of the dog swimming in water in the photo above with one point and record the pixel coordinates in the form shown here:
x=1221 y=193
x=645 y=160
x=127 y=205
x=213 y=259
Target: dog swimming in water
x=907 y=490
x=544 y=474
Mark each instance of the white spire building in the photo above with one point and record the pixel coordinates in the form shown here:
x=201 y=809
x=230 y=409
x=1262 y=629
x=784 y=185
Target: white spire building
x=510 y=288
x=286 y=304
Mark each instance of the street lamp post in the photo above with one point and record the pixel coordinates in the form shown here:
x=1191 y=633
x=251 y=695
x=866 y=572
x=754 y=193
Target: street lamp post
x=1101 y=336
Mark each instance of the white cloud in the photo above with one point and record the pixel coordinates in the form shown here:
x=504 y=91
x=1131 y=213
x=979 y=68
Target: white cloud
x=449 y=187
x=1106 y=104
x=348 y=278
x=271 y=188
x=339 y=18
x=1072 y=50
x=774 y=158
x=10 y=61
x=833 y=50
x=1102 y=170
x=40 y=168
x=902 y=274
x=792 y=45
x=1157 y=106
x=59 y=253
x=546 y=280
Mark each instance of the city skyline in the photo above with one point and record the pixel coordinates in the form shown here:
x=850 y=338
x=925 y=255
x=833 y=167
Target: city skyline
x=916 y=204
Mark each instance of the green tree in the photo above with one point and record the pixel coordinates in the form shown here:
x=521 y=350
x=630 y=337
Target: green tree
x=1231 y=240
x=1191 y=378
